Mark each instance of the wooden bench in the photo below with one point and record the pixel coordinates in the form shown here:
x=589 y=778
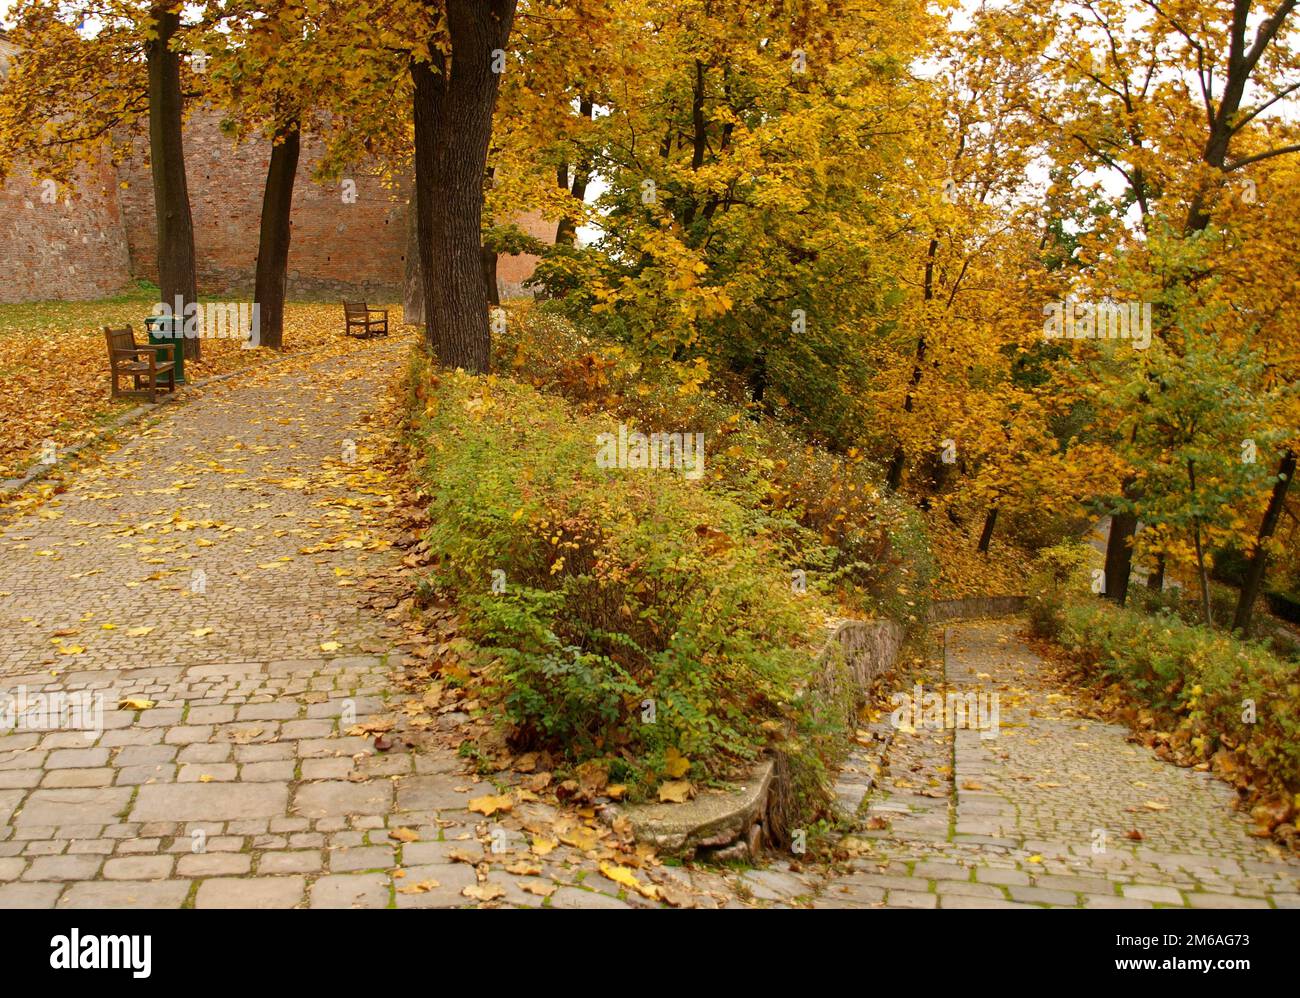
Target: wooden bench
x=358 y=314
x=142 y=363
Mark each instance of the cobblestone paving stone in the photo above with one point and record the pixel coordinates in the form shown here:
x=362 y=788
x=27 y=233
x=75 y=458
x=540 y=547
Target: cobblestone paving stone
x=1043 y=814
x=239 y=786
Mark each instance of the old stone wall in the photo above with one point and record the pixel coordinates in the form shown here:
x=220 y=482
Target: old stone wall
x=61 y=241
x=348 y=236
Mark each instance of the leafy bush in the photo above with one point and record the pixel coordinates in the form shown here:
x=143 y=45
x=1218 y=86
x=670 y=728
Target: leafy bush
x=827 y=511
x=1170 y=602
x=1202 y=686
x=621 y=587
x=1229 y=565
x=1059 y=574
x=1284 y=604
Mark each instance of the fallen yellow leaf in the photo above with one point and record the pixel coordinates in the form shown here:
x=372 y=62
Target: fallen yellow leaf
x=490 y=804
x=484 y=892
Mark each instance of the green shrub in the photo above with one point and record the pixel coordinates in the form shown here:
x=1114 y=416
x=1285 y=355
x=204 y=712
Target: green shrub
x=620 y=587
x=1201 y=682
x=1169 y=602
x=1058 y=574
x=825 y=510
x=1229 y=565
x=1284 y=604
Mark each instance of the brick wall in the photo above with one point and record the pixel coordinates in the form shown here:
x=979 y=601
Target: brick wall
x=354 y=247
x=512 y=271
x=59 y=242
x=72 y=249
x=100 y=233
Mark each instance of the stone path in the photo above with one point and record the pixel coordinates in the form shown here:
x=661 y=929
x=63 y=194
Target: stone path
x=211 y=584
x=1056 y=811
x=213 y=566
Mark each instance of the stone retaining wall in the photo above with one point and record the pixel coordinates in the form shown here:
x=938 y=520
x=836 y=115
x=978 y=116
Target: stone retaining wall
x=974 y=607
x=859 y=651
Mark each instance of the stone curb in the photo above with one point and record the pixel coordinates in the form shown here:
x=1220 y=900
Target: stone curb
x=713 y=818
x=718 y=818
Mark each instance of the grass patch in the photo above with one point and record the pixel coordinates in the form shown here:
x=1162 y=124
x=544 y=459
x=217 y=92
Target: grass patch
x=853 y=541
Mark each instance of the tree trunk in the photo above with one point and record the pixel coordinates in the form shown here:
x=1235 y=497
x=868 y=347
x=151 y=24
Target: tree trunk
x=1119 y=548
x=427 y=80
x=1119 y=556
x=1259 y=557
x=894 y=477
x=987 y=533
x=489 y=258
x=273 y=242
x=700 y=136
x=454 y=102
x=1156 y=580
x=413 y=283
x=175 y=227
x=566 y=232
x=1202 y=577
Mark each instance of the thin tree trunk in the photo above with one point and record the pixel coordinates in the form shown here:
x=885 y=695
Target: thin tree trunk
x=566 y=232
x=1202 y=577
x=699 y=138
x=894 y=476
x=413 y=282
x=175 y=227
x=488 y=256
x=273 y=242
x=986 y=534
x=427 y=78
x=1156 y=580
x=454 y=102
x=1259 y=557
x=1201 y=573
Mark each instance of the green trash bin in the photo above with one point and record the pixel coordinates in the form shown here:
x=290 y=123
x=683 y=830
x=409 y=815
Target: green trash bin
x=160 y=329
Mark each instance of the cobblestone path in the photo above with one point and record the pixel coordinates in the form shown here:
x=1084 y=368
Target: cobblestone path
x=1057 y=810
x=212 y=567
x=211 y=584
